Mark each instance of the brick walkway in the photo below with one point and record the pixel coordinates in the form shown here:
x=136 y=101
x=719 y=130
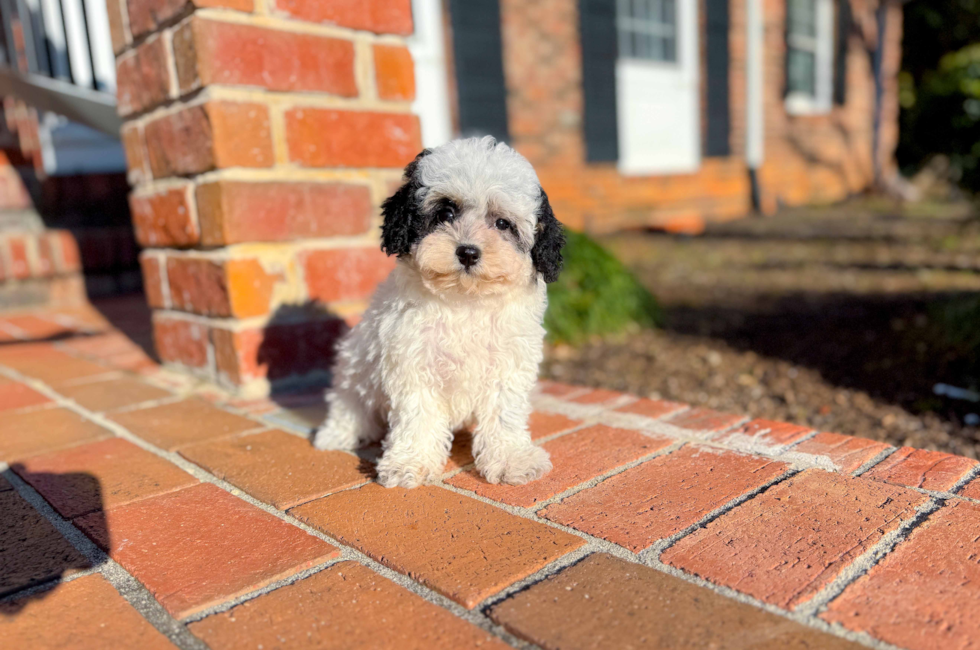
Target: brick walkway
x=139 y=509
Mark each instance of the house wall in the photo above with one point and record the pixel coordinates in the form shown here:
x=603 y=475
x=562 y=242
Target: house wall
x=809 y=159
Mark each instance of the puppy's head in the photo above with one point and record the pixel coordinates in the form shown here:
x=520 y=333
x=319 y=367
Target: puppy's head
x=472 y=219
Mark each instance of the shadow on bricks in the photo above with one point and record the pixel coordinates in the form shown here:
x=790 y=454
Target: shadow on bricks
x=32 y=551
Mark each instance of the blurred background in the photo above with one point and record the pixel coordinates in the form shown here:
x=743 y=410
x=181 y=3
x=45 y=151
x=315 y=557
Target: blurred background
x=771 y=203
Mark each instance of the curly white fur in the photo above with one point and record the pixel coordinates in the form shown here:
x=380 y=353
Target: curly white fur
x=443 y=347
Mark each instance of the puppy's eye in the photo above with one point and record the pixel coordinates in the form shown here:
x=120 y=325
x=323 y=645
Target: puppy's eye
x=446 y=213
x=503 y=224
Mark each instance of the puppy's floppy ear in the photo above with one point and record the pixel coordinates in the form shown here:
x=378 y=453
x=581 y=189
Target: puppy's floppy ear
x=548 y=241
x=402 y=221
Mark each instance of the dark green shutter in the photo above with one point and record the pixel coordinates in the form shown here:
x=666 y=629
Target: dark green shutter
x=599 y=51
x=479 y=64
x=719 y=127
x=844 y=20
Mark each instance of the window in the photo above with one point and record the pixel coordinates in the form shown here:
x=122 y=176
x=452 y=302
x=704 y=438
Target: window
x=809 y=55
x=647 y=30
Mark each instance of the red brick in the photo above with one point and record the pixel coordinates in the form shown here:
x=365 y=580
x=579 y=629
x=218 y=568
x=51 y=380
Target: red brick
x=31 y=550
x=148 y=15
x=35 y=432
x=247 y=55
x=232 y=212
x=277 y=467
x=394 y=72
x=17 y=262
x=214 y=135
x=71 y=258
x=663 y=496
x=543 y=425
x=766 y=433
x=337 y=602
x=237 y=288
x=344 y=273
x=786 y=544
x=971 y=490
x=923 y=594
x=597 y=396
x=55 y=368
x=379 y=16
x=201 y=546
x=164 y=218
x=37 y=328
x=100 y=396
x=143 y=77
x=152 y=281
x=277 y=351
x=15 y=395
x=183 y=423
x=100 y=476
x=604 y=602
x=47 y=253
x=135 y=150
x=467 y=550
x=117 y=31
x=652 y=408
x=322 y=137
x=557 y=389
x=89 y=615
x=704 y=422
x=180 y=341
x=577 y=457
x=929 y=470
x=846 y=452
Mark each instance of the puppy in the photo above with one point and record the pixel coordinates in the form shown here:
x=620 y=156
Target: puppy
x=453 y=338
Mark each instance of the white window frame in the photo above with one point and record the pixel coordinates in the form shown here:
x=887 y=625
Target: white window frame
x=627 y=24
x=822 y=46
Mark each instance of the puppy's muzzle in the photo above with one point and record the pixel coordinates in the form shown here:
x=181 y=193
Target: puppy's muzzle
x=468 y=255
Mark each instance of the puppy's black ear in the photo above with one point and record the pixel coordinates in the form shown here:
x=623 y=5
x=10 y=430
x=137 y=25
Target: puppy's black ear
x=548 y=242
x=402 y=221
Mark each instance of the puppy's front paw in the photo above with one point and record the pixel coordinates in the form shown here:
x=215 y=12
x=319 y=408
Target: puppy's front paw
x=516 y=467
x=404 y=475
x=332 y=438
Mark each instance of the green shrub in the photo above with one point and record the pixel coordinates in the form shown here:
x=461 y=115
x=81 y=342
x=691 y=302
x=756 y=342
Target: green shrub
x=595 y=295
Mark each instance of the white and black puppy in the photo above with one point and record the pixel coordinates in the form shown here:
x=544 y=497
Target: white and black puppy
x=453 y=338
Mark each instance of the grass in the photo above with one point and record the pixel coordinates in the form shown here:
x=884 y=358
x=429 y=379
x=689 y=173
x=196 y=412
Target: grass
x=595 y=295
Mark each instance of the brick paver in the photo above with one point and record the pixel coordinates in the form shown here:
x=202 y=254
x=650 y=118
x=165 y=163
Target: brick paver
x=460 y=547
x=929 y=470
x=189 y=421
x=784 y=545
x=277 y=467
x=113 y=394
x=54 y=367
x=765 y=433
x=663 y=496
x=85 y=614
x=652 y=408
x=597 y=396
x=15 y=395
x=31 y=550
x=558 y=389
x=35 y=432
x=200 y=546
x=925 y=594
x=845 y=452
x=332 y=609
x=704 y=422
x=971 y=490
x=540 y=425
x=604 y=602
x=577 y=457
x=100 y=475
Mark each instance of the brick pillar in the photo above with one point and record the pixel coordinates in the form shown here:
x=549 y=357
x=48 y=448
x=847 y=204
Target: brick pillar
x=261 y=135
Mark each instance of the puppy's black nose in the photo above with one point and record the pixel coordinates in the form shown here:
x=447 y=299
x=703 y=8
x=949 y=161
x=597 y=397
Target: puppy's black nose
x=468 y=255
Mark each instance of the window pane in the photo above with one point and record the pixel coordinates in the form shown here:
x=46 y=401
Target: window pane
x=801 y=68
x=803 y=17
x=647 y=29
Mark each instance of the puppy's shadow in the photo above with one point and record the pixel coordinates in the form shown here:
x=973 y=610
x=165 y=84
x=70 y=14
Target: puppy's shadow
x=32 y=551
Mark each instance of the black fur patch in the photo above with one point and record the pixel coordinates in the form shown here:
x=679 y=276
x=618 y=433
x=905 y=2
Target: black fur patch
x=403 y=222
x=548 y=242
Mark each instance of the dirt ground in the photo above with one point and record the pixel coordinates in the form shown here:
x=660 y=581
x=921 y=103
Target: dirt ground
x=825 y=317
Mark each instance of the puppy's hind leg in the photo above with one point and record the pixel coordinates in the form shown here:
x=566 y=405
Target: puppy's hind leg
x=348 y=425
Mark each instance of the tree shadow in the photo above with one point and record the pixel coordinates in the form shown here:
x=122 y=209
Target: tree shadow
x=33 y=553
